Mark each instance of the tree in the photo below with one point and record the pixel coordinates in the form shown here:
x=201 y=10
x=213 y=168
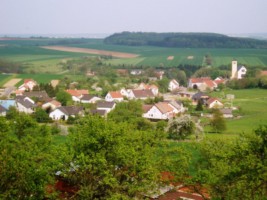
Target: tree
x=199 y=106
x=28 y=161
x=41 y=116
x=217 y=122
x=113 y=160
x=235 y=169
x=181 y=127
x=63 y=97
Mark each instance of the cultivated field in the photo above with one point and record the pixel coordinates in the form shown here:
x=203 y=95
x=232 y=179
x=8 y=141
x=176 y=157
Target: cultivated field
x=91 y=51
x=12 y=82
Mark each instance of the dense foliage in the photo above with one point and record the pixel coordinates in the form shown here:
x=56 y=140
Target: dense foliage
x=183 y=40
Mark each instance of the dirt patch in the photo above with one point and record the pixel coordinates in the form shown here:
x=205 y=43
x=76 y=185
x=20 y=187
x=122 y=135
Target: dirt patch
x=54 y=83
x=12 y=82
x=190 y=57
x=92 y=51
x=170 y=58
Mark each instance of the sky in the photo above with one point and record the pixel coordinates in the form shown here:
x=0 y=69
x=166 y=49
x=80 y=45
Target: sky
x=112 y=16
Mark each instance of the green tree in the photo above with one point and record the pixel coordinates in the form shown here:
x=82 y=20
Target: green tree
x=28 y=163
x=41 y=116
x=181 y=127
x=114 y=161
x=235 y=169
x=217 y=121
x=63 y=97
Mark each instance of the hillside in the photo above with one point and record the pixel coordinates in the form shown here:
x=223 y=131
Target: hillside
x=183 y=40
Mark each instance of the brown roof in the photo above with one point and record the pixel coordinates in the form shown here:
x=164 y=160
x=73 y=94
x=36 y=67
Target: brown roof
x=164 y=107
x=143 y=93
x=212 y=100
x=55 y=102
x=77 y=93
x=115 y=94
x=146 y=107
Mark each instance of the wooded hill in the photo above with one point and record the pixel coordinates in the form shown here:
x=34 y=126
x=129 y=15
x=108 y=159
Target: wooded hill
x=183 y=40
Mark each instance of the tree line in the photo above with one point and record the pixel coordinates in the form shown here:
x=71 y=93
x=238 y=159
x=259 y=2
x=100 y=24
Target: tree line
x=183 y=40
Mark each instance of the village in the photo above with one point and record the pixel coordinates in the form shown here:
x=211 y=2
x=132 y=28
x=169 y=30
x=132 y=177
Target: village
x=27 y=99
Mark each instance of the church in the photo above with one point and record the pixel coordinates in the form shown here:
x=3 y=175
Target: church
x=238 y=72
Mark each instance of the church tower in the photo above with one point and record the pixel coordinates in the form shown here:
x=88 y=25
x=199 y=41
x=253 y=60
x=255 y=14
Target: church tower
x=234 y=69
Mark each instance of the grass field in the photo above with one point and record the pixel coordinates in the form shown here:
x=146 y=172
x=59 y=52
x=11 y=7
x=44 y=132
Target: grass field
x=30 y=54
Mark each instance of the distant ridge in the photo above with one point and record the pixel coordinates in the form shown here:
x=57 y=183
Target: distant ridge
x=183 y=40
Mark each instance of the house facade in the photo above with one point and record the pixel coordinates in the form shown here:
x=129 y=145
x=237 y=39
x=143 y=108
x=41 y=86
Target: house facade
x=158 y=111
x=64 y=112
x=114 y=96
x=173 y=85
x=214 y=103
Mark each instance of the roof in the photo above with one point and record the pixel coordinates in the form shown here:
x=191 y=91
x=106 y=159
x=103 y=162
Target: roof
x=199 y=80
x=87 y=97
x=143 y=93
x=71 y=110
x=25 y=102
x=146 y=107
x=164 y=107
x=174 y=82
x=2 y=109
x=105 y=104
x=176 y=104
x=211 y=100
x=240 y=67
x=55 y=102
x=143 y=86
x=263 y=73
x=199 y=95
x=77 y=93
x=210 y=83
x=99 y=112
x=115 y=94
x=38 y=94
x=29 y=80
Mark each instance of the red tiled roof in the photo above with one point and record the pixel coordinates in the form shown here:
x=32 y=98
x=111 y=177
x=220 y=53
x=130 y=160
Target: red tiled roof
x=116 y=95
x=164 y=107
x=212 y=100
x=210 y=83
x=146 y=108
x=28 y=80
x=77 y=93
x=143 y=93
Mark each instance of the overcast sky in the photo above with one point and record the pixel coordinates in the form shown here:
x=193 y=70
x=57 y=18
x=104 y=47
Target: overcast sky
x=110 y=16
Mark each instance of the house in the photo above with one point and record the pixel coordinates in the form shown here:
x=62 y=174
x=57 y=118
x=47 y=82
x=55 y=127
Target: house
x=40 y=95
x=102 y=113
x=87 y=98
x=51 y=104
x=202 y=84
x=214 y=103
x=177 y=106
x=64 y=112
x=76 y=95
x=185 y=94
x=158 y=111
x=219 y=80
x=238 y=72
x=105 y=105
x=173 y=85
x=25 y=104
x=2 y=111
x=153 y=88
x=114 y=96
x=141 y=94
x=136 y=72
x=200 y=96
x=227 y=112
x=28 y=85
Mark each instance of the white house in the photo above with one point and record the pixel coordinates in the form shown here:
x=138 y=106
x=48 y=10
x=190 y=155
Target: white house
x=238 y=72
x=107 y=106
x=114 y=96
x=141 y=94
x=25 y=104
x=214 y=103
x=64 y=112
x=158 y=111
x=53 y=104
x=153 y=88
x=173 y=85
x=27 y=85
x=202 y=84
x=76 y=95
x=87 y=98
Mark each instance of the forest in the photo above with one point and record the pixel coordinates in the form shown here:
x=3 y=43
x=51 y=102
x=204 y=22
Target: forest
x=183 y=40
